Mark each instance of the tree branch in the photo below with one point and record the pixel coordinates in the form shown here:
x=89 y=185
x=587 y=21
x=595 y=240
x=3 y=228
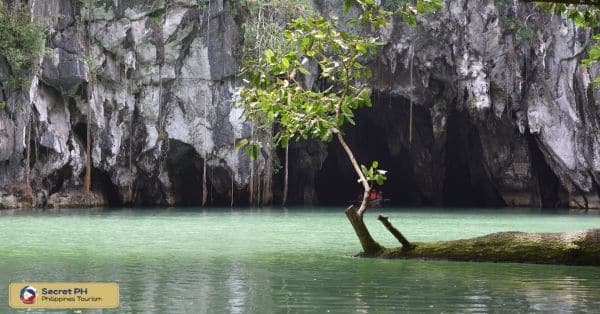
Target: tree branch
x=363 y=179
x=397 y=234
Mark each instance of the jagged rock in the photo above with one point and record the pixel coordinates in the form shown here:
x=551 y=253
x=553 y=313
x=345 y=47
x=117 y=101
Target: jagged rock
x=74 y=199
x=502 y=114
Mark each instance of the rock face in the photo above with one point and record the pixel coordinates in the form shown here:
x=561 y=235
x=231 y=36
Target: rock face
x=162 y=74
x=502 y=113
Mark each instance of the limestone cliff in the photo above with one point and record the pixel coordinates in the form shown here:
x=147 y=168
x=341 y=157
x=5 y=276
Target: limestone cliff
x=502 y=113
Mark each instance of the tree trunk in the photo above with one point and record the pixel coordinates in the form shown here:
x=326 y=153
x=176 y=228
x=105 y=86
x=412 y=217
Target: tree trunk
x=267 y=189
x=286 y=176
x=370 y=247
x=397 y=234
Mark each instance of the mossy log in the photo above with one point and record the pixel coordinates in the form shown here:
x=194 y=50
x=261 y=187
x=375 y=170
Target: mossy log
x=571 y=248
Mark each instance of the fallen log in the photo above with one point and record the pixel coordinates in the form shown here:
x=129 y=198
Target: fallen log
x=569 y=248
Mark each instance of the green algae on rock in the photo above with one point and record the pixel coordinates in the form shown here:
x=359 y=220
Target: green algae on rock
x=569 y=248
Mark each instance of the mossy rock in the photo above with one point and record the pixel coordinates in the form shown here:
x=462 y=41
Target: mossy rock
x=574 y=248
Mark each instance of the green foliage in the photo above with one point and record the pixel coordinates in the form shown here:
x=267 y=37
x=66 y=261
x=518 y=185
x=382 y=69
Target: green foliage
x=21 y=44
x=202 y=4
x=373 y=174
x=277 y=94
x=522 y=32
x=277 y=97
x=262 y=22
x=587 y=16
x=393 y=5
x=408 y=10
x=157 y=17
x=2 y=105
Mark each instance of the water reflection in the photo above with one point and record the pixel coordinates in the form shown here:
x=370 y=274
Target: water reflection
x=343 y=285
x=273 y=262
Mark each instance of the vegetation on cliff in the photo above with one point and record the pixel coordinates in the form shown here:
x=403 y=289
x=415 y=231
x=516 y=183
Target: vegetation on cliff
x=22 y=43
x=584 y=14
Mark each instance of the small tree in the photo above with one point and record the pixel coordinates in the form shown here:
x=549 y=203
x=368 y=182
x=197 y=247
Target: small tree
x=277 y=94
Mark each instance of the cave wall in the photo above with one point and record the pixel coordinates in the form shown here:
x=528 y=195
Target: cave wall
x=164 y=80
x=503 y=114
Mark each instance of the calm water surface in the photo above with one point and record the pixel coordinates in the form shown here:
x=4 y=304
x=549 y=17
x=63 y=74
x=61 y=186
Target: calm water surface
x=287 y=261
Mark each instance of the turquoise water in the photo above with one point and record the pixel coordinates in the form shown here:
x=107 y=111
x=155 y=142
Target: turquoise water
x=287 y=261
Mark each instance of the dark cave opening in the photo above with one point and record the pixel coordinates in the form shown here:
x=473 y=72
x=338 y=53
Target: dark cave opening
x=185 y=167
x=219 y=187
x=80 y=131
x=381 y=134
x=466 y=182
x=446 y=169
x=102 y=183
x=550 y=190
x=56 y=180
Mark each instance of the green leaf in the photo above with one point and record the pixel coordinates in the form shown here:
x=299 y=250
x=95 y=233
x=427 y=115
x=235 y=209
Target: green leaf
x=361 y=48
x=270 y=55
x=364 y=169
x=285 y=63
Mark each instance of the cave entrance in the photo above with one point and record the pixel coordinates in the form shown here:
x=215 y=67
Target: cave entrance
x=381 y=134
x=80 y=131
x=184 y=167
x=467 y=182
x=551 y=193
x=102 y=183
